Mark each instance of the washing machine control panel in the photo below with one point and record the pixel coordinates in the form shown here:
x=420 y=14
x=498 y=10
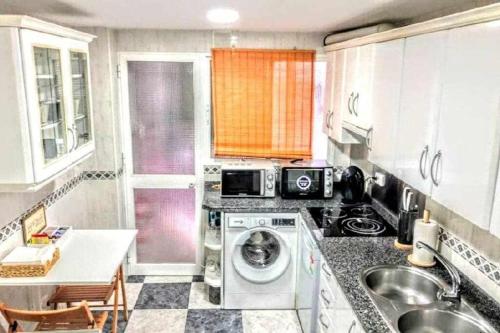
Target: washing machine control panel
x=283 y=222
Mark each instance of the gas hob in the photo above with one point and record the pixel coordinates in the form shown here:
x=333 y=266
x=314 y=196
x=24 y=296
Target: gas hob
x=351 y=221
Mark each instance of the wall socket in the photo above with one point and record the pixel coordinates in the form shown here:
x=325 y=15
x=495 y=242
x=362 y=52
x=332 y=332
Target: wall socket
x=380 y=179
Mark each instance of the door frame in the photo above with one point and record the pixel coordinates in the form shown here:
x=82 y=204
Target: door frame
x=201 y=88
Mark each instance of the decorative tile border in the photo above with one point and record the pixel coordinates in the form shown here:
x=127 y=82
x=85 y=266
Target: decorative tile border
x=10 y=228
x=15 y=225
x=484 y=265
x=99 y=175
x=211 y=169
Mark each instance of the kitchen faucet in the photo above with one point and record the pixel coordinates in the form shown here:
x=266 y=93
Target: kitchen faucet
x=452 y=295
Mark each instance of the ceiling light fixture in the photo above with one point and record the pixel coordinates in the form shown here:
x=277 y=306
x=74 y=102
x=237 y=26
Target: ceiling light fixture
x=223 y=15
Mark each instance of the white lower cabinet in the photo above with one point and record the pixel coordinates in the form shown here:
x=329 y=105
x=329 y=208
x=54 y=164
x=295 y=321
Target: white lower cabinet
x=388 y=66
x=335 y=313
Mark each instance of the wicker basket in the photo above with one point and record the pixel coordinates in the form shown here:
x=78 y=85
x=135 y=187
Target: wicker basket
x=10 y=271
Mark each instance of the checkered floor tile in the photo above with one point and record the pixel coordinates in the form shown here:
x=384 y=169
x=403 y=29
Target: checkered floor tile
x=179 y=304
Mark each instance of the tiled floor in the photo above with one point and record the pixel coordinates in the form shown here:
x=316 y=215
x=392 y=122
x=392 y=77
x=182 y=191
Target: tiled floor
x=178 y=304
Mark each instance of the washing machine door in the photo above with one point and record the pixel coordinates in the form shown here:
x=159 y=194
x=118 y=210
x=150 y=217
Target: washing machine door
x=261 y=255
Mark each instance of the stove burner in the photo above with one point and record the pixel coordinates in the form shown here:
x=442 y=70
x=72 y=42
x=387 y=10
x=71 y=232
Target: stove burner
x=333 y=212
x=363 y=226
x=362 y=211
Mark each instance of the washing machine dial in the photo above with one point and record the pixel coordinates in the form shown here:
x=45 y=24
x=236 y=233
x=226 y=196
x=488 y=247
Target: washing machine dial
x=270 y=177
x=262 y=222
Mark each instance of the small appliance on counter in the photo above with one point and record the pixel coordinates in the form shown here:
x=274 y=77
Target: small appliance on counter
x=352 y=185
x=357 y=220
x=252 y=178
x=307 y=180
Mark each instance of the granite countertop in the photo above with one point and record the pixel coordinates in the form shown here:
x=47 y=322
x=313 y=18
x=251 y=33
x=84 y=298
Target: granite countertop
x=347 y=257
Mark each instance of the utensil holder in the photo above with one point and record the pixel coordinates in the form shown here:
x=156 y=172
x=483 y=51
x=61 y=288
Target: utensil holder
x=406 y=224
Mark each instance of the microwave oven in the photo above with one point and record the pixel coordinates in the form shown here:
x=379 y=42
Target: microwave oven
x=248 y=179
x=307 y=180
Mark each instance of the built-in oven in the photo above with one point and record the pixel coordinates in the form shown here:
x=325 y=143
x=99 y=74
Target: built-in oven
x=248 y=179
x=307 y=180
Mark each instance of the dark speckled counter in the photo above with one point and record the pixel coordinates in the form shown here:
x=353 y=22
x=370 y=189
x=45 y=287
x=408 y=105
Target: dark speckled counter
x=349 y=256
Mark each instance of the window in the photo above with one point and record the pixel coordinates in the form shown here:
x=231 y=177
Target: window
x=263 y=103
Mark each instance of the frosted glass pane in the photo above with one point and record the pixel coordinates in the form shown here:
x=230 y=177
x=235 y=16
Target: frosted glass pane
x=162 y=117
x=165 y=219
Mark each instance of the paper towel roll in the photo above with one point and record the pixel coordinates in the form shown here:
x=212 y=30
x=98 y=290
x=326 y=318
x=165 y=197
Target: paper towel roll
x=426 y=233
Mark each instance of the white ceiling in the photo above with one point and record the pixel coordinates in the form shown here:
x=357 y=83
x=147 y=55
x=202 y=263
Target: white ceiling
x=256 y=15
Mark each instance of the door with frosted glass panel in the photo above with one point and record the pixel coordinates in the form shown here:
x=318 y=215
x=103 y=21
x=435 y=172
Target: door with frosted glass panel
x=163 y=99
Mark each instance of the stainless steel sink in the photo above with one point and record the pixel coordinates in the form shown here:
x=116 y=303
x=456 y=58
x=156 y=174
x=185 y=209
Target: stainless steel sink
x=407 y=299
x=402 y=284
x=437 y=321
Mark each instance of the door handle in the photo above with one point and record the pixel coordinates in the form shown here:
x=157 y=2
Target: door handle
x=368 y=139
x=328 y=119
x=349 y=103
x=69 y=129
x=322 y=322
x=323 y=267
x=425 y=153
x=322 y=293
x=353 y=325
x=355 y=104
x=435 y=167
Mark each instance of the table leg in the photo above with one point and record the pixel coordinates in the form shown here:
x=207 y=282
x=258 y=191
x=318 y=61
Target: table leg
x=115 y=308
x=124 y=294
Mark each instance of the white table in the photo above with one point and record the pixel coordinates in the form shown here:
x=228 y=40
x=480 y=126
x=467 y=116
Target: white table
x=87 y=257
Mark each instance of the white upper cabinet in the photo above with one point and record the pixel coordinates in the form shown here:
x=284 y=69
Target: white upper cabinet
x=334 y=102
x=358 y=86
x=328 y=96
x=419 y=108
x=49 y=124
x=495 y=215
x=387 y=70
x=464 y=168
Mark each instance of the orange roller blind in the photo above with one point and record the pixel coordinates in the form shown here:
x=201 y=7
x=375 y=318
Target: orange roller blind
x=262 y=102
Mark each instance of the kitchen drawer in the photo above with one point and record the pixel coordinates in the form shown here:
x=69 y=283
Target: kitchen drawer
x=328 y=281
x=325 y=320
x=333 y=320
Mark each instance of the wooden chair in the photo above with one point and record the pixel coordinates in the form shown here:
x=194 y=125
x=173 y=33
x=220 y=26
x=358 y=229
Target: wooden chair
x=94 y=293
x=75 y=318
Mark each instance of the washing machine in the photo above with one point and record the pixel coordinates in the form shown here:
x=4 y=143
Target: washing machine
x=260 y=253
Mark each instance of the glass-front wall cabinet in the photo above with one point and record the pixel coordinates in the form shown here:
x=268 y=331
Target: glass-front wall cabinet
x=50 y=102
x=81 y=102
x=48 y=127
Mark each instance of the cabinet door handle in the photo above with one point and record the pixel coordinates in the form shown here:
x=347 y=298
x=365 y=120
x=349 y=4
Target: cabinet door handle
x=355 y=104
x=349 y=103
x=353 y=325
x=73 y=140
x=425 y=153
x=75 y=133
x=323 y=266
x=330 y=117
x=322 y=293
x=368 y=139
x=435 y=167
x=322 y=322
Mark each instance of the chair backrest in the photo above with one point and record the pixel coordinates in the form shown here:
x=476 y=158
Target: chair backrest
x=78 y=317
